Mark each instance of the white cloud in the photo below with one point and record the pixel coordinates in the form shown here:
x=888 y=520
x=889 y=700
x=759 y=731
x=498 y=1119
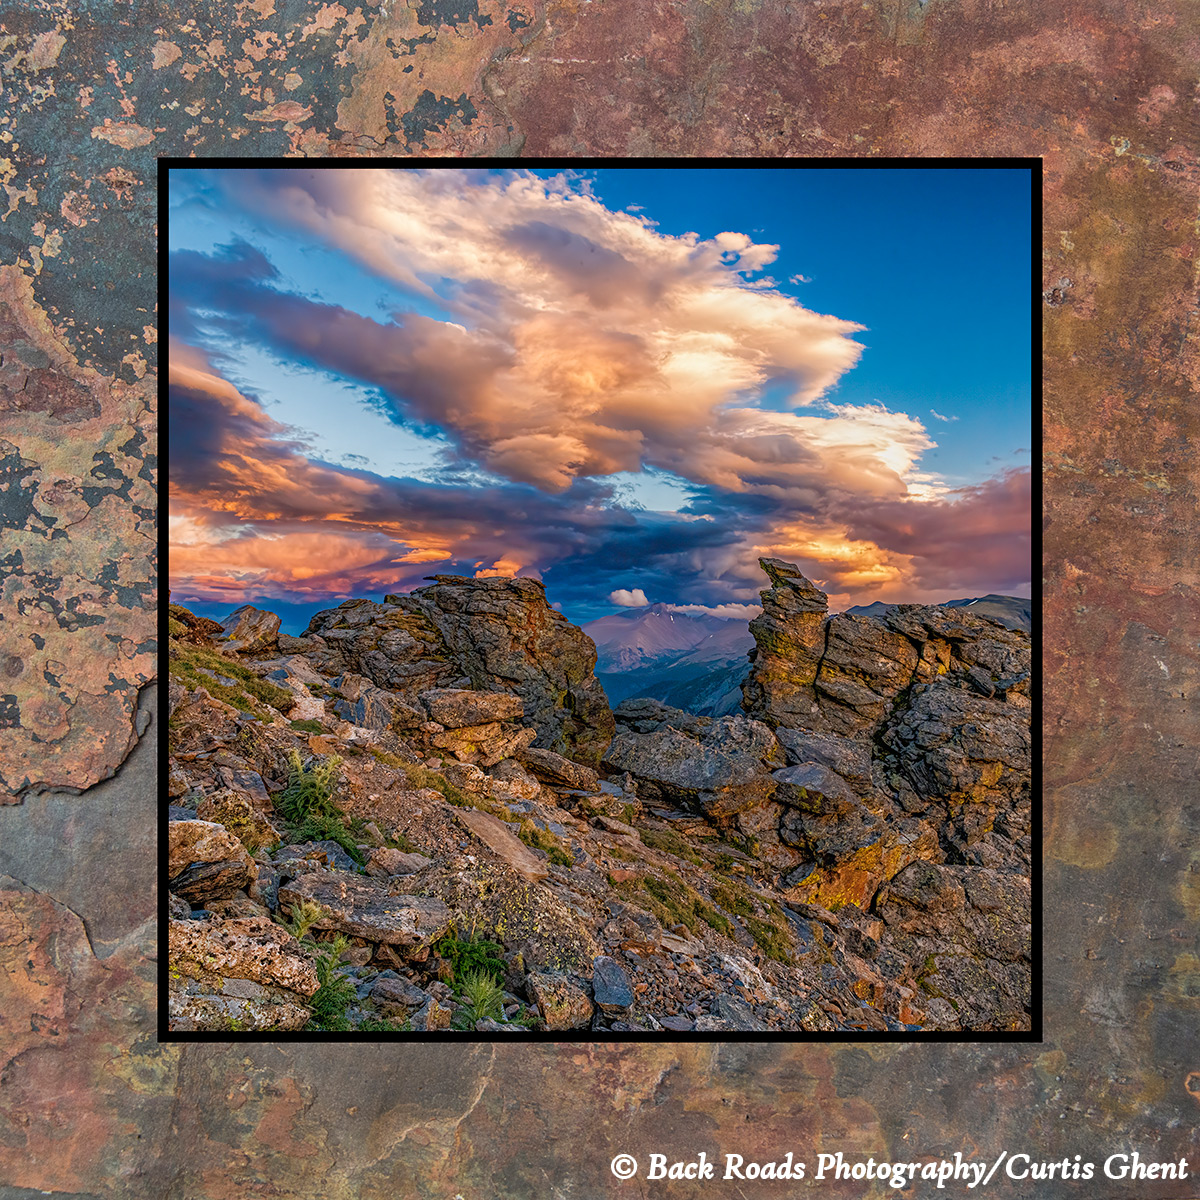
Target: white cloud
x=745 y=612
x=934 y=412
x=626 y=599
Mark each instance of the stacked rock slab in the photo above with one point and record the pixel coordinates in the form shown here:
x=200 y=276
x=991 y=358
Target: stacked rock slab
x=486 y=635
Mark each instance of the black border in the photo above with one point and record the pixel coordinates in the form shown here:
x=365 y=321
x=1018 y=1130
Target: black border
x=1035 y=1034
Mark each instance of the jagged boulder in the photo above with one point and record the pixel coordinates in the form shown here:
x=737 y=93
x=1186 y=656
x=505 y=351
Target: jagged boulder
x=957 y=745
x=488 y=635
x=719 y=765
x=206 y=861
x=844 y=675
x=250 y=630
x=553 y=768
x=789 y=639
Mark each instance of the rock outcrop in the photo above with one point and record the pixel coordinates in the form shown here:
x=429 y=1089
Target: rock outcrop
x=489 y=635
x=449 y=829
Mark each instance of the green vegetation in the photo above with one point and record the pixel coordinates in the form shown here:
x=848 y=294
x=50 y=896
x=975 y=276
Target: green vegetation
x=196 y=667
x=482 y=997
x=307 y=805
x=543 y=839
x=470 y=955
x=381 y=1025
x=673 y=902
x=670 y=842
x=772 y=934
x=423 y=777
x=763 y=918
x=303 y=917
x=733 y=899
x=308 y=726
x=336 y=993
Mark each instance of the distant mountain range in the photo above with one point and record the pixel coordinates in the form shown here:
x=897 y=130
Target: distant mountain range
x=697 y=662
x=689 y=660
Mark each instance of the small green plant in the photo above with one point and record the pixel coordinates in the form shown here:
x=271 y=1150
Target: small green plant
x=470 y=955
x=304 y=916
x=482 y=997
x=307 y=804
x=336 y=993
x=307 y=726
x=628 y=813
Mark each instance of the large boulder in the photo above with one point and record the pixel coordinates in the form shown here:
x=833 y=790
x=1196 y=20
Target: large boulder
x=250 y=630
x=247 y=973
x=485 y=635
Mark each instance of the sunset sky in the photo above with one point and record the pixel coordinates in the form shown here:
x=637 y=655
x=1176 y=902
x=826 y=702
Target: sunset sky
x=629 y=384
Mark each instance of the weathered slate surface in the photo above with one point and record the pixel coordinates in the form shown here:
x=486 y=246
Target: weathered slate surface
x=92 y=1104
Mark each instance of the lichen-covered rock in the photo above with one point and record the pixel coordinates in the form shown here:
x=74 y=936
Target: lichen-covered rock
x=246 y=973
x=367 y=909
x=250 y=630
x=497 y=635
x=563 y=1004
x=524 y=916
x=484 y=745
x=206 y=862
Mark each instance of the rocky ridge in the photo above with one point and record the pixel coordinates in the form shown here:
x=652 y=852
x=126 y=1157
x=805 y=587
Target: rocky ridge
x=422 y=815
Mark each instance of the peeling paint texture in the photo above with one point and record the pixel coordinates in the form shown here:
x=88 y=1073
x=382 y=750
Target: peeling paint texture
x=1104 y=90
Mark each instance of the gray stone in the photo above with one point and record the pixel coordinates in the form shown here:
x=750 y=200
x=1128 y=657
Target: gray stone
x=611 y=988
x=368 y=910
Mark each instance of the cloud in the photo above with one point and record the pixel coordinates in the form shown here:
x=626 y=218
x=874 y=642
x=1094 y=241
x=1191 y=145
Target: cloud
x=738 y=612
x=800 y=279
x=574 y=344
x=583 y=342
x=935 y=413
x=628 y=599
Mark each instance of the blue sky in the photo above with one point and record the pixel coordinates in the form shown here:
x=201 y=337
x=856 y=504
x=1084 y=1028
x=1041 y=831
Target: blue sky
x=635 y=408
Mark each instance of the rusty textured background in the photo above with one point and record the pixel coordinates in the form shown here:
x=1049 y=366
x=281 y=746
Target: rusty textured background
x=1106 y=90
